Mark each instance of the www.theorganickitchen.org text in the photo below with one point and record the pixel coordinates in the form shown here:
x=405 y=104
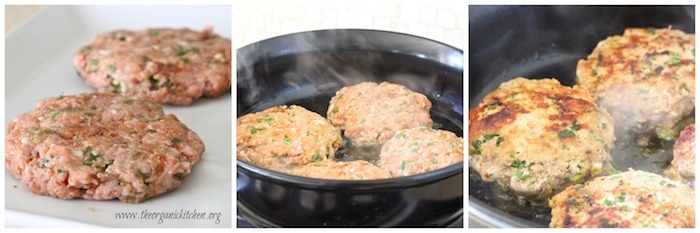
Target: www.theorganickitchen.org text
x=161 y=217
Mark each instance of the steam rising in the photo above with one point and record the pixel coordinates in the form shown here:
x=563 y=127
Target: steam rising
x=301 y=65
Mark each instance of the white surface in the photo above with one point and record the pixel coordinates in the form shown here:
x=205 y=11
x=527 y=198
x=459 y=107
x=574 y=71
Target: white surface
x=442 y=21
x=39 y=65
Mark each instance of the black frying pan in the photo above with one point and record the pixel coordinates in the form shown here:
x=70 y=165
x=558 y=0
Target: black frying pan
x=547 y=41
x=307 y=69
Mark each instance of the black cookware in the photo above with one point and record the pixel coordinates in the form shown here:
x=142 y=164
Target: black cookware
x=307 y=69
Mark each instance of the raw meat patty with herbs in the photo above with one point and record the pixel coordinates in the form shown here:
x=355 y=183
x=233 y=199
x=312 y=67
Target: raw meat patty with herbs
x=536 y=137
x=631 y=199
x=644 y=78
x=168 y=66
x=331 y=170
x=372 y=113
x=100 y=147
x=282 y=137
x=420 y=150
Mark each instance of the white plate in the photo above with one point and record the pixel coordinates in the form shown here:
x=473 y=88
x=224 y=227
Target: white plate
x=39 y=65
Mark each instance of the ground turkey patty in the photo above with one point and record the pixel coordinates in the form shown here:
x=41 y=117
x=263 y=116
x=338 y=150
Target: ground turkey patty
x=329 y=169
x=534 y=137
x=683 y=162
x=173 y=66
x=631 y=199
x=100 y=147
x=372 y=113
x=645 y=78
x=420 y=150
x=282 y=137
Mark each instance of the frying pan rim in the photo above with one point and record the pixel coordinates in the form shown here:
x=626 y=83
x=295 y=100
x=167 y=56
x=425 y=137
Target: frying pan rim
x=354 y=30
x=326 y=184
x=494 y=217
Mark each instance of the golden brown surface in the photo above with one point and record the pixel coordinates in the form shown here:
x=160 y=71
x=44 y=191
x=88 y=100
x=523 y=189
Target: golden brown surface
x=644 y=78
x=631 y=199
x=372 y=113
x=281 y=137
x=535 y=137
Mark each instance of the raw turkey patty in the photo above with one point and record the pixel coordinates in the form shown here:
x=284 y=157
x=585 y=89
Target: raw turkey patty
x=420 y=150
x=331 y=170
x=100 y=147
x=169 y=66
x=282 y=137
x=372 y=113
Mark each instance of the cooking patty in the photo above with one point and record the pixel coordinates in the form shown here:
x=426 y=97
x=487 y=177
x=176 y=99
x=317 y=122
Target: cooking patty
x=372 y=113
x=169 y=66
x=535 y=137
x=100 y=147
x=282 y=137
x=329 y=169
x=683 y=162
x=420 y=150
x=632 y=199
x=645 y=78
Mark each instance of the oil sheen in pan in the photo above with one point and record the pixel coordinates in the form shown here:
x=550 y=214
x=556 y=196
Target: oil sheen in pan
x=639 y=151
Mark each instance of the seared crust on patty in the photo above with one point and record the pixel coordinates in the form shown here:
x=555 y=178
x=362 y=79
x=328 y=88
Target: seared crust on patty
x=331 y=170
x=644 y=78
x=535 y=137
x=372 y=113
x=173 y=66
x=631 y=199
x=420 y=150
x=282 y=137
x=100 y=147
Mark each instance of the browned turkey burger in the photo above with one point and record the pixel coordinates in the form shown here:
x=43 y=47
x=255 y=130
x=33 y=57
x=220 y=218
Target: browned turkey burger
x=683 y=163
x=645 y=78
x=632 y=199
x=535 y=137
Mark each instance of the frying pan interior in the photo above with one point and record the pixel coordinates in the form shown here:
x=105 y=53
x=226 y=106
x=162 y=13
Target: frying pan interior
x=547 y=41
